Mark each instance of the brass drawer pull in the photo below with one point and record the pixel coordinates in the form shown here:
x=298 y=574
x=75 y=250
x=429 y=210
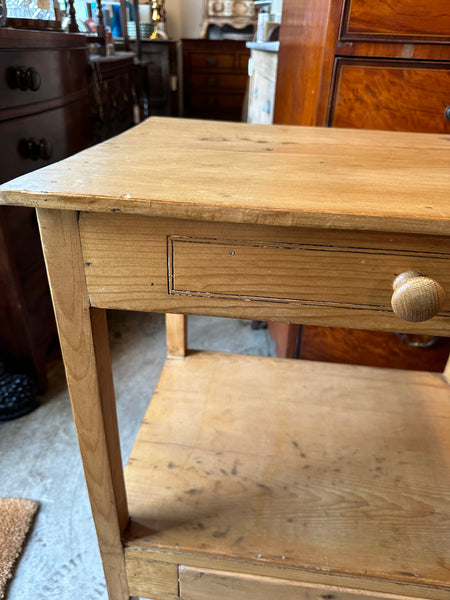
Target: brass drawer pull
x=416 y=298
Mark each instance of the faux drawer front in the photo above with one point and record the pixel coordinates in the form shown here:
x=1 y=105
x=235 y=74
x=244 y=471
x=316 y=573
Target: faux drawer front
x=204 y=584
x=41 y=75
x=395 y=96
x=315 y=274
x=306 y=276
x=401 y=18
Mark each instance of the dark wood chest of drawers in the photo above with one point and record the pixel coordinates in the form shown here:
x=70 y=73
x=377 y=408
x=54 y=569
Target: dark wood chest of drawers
x=215 y=76
x=45 y=115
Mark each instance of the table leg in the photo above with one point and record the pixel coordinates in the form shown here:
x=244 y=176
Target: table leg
x=176 y=334
x=84 y=343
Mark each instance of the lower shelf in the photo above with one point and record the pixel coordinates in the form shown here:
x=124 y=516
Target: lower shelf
x=329 y=475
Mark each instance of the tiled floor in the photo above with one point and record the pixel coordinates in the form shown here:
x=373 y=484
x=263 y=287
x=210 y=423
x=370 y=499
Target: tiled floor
x=39 y=453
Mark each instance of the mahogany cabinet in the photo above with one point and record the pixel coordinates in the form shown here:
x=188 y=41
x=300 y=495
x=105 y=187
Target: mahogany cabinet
x=214 y=78
x=373 y=65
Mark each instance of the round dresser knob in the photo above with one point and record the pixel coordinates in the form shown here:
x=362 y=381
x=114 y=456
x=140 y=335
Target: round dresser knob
x=416 y=297
x=33 y=79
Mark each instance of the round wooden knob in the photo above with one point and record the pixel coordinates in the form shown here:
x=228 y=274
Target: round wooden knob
x=416 y=297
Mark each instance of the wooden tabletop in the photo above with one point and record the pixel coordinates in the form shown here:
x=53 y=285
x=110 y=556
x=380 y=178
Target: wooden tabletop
x=259 y=174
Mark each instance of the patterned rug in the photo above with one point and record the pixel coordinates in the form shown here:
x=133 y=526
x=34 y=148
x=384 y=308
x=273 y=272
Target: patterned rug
x=16 y=517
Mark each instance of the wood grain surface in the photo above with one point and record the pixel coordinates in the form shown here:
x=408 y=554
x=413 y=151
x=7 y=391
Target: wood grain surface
x=204 y=584
x=269 y=174
x=84 y=345
x=391 y=95
x=176 y=334
x=401 y=18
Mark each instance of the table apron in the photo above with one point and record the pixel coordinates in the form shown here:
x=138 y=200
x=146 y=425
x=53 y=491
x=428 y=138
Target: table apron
x=310 y=276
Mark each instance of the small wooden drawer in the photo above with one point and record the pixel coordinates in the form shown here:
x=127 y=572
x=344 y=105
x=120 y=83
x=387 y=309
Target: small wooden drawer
x=403 y=18
x=216 y=100
x=296 y=275
x=32 y=76
x=204 y=584
x=212 y=60
x=219 y=80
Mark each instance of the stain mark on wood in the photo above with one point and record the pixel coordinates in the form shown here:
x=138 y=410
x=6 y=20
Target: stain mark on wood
x=193 y=491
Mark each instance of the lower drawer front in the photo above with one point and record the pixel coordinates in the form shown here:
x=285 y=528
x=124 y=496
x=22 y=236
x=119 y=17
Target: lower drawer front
x=203 y=584
x=212 y=81
x=298 y=275
x=396 y=96
x=209 y=60
x=32 y=142
x=216 y=100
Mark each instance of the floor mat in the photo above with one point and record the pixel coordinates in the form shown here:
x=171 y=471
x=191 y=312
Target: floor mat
x=16 y=517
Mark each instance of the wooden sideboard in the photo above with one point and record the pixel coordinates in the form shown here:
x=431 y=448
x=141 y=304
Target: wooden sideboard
x=215 y=76
x=377 y=65
x=45 y=115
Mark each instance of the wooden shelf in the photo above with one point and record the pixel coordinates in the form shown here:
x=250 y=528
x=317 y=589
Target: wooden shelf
x=329 y=475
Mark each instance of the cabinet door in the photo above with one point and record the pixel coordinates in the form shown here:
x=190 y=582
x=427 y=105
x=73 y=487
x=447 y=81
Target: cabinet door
x=262 y=86
x=391 y=95
x=261 y=100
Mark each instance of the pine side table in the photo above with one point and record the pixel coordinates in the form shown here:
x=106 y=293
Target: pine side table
x=258 y=477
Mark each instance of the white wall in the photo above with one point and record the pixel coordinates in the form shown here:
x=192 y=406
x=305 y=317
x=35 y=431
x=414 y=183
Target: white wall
x=184 y=18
